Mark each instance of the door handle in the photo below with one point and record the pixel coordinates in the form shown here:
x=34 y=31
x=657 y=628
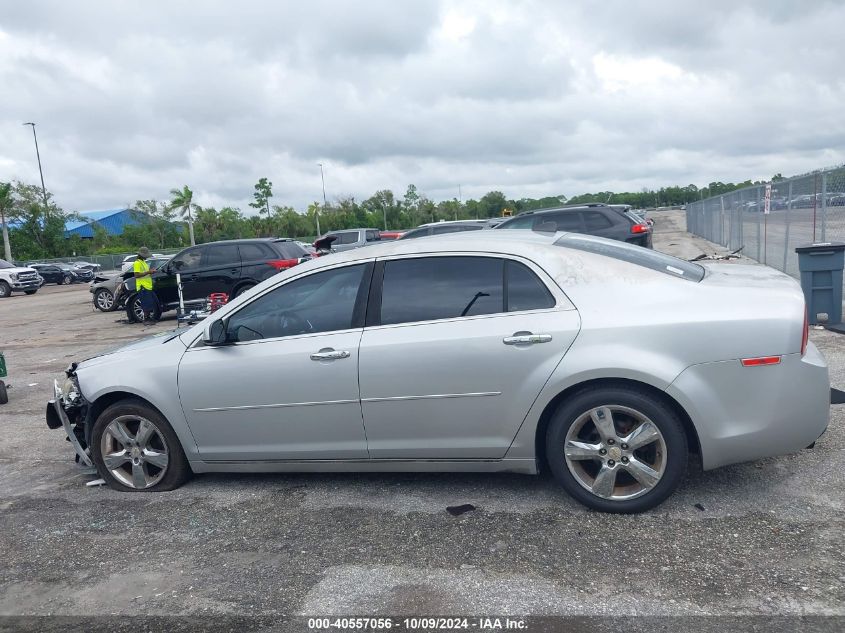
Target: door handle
x=330 y=354
x=526 y=338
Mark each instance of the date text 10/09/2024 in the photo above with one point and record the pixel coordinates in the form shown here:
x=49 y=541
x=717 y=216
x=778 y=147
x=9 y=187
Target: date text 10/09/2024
x=418 y=623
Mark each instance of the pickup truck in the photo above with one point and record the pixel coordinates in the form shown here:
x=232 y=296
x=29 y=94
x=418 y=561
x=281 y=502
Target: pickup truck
x=17 y=279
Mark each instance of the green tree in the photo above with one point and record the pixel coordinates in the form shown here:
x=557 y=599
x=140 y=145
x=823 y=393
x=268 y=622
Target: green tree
x=263 y=193
x=183 y=201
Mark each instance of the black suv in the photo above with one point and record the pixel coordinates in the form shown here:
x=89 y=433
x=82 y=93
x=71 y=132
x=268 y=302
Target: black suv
x=231 y=267
x=613 y=221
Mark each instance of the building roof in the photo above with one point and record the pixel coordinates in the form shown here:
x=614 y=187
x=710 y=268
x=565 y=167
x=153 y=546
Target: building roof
x=112 y=220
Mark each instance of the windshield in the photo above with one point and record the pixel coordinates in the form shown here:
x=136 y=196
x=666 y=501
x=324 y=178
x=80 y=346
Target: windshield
x=634 y=255
x=5 y=264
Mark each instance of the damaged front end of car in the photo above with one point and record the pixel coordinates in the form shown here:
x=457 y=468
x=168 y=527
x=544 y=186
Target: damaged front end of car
x=69 y=409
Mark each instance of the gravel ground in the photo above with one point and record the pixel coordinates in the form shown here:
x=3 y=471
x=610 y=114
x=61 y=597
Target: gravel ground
x=762 y=538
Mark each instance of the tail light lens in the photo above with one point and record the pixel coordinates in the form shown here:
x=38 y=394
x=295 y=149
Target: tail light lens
x=282 y=264
x=763 y=360
x=639 y=228
x=805 y=336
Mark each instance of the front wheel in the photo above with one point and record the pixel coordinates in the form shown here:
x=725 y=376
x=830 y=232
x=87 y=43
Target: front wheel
x=617 y=450
x=67 y=280
x=134 y=311
x=5 y=289
x=136 y=450
x=104 y=300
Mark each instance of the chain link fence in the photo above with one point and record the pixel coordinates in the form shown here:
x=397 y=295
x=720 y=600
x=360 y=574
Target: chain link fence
x=802 y=210
x=106 y=262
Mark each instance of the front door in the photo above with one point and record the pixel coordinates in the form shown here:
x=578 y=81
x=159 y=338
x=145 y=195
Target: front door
x=461 y=348
x=286 y=387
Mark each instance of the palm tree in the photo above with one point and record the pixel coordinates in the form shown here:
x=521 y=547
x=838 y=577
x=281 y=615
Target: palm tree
x=182 y=200
x=6 y=203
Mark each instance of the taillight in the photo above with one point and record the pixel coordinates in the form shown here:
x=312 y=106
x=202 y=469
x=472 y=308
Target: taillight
x=805 y=336
x=639 y=228
x=281 y=264
x=762 y=360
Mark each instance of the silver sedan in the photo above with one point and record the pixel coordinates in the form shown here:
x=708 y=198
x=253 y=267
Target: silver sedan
x=491 y=351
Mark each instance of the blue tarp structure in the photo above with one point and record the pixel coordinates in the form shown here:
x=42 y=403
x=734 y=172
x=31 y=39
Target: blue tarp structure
x=112 y=220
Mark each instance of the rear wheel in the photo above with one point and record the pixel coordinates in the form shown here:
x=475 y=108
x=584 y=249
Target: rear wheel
x=67 y=280
x=104 y=300
x=241 y=289
x=135 y=313
x=136 y=450
x=617 y=449
x=5 y=289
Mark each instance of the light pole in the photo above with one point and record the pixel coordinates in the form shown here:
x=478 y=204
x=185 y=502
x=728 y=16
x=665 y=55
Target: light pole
x=40 y=171
x=317 y=215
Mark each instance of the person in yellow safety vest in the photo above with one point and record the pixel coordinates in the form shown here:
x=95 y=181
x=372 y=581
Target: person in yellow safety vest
x=144 y=284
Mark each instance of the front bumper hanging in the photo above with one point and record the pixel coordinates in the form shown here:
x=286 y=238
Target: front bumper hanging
x=57 y=417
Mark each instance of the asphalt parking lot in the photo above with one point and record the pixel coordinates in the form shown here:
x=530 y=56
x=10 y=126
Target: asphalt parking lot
x=759 y=538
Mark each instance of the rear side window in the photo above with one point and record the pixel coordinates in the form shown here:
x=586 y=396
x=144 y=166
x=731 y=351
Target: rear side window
x=565 y=221
x=290 y=250
x=222 y=255
x=524 y=290
x=348 y=237
x=251 y=252
x=634 y=255
x=596 y=221
x=431 y=288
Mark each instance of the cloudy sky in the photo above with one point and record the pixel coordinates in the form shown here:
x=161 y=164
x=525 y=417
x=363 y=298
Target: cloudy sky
x=530 y=98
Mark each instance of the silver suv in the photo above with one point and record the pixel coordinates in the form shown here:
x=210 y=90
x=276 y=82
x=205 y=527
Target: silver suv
x=353 y=238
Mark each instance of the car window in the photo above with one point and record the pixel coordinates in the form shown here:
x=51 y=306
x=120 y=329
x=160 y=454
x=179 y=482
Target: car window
x=322 y=302
x=521 y=222
x=525 y=291
x=373 y=236
x=471 y=227
x=427 y=288
x=347 y=237
x=564 y=221
x=222 y=255
x=595 y=221
x=635 y=255
x=187 y=260
x=416 y=233
x=291 y=250
x=253 y=251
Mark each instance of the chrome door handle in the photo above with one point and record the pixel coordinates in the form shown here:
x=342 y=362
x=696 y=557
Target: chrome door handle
x=527 y=339
x=330 y=354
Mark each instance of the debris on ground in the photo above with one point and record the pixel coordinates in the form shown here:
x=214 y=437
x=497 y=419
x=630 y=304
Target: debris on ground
x=716 y=257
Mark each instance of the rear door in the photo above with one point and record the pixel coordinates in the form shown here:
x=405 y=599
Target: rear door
x=456 y=349
x=220 y=270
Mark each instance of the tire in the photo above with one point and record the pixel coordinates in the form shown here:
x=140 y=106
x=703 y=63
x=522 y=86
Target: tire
x=134 y=313
x=67 y=280
x=242 y=289
x=104 y=300
x=30 y=292
x=4 y=395
x=5 y=289
x=606 y=481
x=153 y=463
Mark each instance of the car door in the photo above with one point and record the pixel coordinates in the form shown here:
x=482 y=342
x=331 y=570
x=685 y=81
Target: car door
x=286 y=387
x=220 y=270
x=186 y=263
x=456 y=349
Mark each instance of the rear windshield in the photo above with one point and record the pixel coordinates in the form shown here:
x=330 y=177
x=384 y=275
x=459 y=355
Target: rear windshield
x=634 y=255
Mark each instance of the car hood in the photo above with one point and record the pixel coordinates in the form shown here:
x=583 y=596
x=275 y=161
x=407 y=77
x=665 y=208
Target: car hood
x=147 y=342
x=18 y=269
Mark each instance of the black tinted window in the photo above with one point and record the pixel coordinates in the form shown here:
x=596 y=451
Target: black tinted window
x=525 y=291
x=416 y=233
x=446 y=228
x=254 y=251
x=595 y=221
x=223 y=255
x=441 y=288
x=322 y=302
x=521 y=222
x=565 y=221
x=187 y=260
x=290 y=250
x=635 y=255
x=349 y=237
x=373 y=236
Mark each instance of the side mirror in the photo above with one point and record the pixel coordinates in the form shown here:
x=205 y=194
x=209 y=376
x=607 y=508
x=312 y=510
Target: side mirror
x=214 y=332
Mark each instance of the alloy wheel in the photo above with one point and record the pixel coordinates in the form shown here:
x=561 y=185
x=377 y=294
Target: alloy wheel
x=134 y=451
x=105 y=300
x=615 y=452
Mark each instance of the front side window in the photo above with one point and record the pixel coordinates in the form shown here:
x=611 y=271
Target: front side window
x=187 y=260
x=322 y=302
x=428 y=288
x=349 y=237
